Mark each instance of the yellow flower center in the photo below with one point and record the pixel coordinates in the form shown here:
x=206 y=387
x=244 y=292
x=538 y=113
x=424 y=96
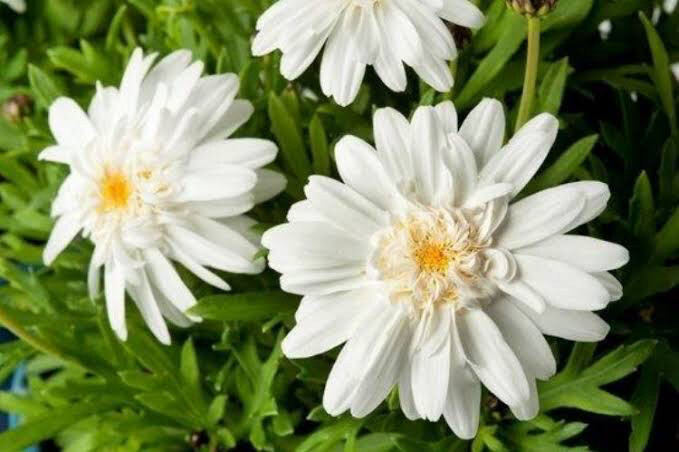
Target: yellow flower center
x=116 y=191
x=433 y=257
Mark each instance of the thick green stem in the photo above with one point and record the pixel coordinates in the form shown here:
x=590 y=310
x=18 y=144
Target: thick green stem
x=530 y=79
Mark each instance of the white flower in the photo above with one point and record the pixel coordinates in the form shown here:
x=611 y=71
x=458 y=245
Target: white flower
x=17 y=5
x=381 y=33
x=153 y=178
x=675 y=70
x=433 y=277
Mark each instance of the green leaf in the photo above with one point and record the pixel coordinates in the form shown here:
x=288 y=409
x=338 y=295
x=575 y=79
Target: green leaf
x=48 y=425
x=508 y=44
x=667 y=239
x=578 y=386
x=651 y=280
x=662 y=75
x=249 y=306
x=44 y=87
x=642 y=209
x=319 y=146
x=564 y=167
x=645 y=398
x=552 y=87
x=190 y=372
x=289 y=136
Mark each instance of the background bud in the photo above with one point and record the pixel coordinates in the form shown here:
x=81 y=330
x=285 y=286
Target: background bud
x=532 y=8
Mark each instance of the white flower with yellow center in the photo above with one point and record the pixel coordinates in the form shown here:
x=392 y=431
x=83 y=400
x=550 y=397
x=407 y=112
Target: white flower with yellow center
x=433 y=277
x=155 y=178
x=359 y=33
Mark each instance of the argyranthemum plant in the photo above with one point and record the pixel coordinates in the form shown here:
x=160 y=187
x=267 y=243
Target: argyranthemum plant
x=436 y=277
x=155 y=178
x=384 y=34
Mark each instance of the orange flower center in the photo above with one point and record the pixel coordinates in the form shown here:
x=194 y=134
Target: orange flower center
x=432 y=257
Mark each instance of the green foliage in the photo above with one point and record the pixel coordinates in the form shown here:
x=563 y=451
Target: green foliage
x=224 y=383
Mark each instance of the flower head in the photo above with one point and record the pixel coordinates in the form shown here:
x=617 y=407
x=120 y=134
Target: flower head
x=359 y=33
x=431 y=272
x=155 y=178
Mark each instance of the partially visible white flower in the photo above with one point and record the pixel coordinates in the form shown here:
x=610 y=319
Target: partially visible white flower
x=675 y=71
x=155 y=178
x=432 y=276
x=17 y=5
x=670 y=5
x=359 y=33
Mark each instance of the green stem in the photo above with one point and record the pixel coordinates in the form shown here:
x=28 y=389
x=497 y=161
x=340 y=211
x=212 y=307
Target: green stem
x=529 y=82
x=19 y=331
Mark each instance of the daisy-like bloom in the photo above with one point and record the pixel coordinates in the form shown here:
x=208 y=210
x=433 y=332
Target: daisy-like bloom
x=433 y=275
x=359 y=33
x=155 y=178
x=17 y=5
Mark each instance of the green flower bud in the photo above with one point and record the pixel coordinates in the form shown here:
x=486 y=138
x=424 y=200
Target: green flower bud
x=532 y=8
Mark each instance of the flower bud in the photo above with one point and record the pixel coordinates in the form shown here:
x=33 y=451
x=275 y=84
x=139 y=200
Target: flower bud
x=16 y=107
x=532 y=8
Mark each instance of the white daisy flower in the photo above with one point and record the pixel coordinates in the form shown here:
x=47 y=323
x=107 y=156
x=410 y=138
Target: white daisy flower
x=435 y=279
x=154 y=178
x=17 y=5
x=381 y=33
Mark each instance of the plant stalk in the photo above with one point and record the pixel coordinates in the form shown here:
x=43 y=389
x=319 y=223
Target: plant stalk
x=19 y=331
x=530 y=79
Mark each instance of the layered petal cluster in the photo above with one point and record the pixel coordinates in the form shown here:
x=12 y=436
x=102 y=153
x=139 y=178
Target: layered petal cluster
x=433 y=276
x=155 y=178
x=384 y=34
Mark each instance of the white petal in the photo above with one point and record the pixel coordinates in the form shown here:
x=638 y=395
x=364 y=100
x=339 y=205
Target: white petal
x=114 y=286
x=524 y=338
x=217 y=182
x=165 y=278
x=447 y=116
x=426 y=144
x=360 y=169
x=586 y=253
x=461 y=165
x=611 y=284
x=69 y=124
x=580 y=326
x=596 y=196
x=325 y=322
x=562 y=285
x=492 y=359
x=462 y=407
x=484 y=129
x=519 y=160
x=196 y=268
x=392 y=135
x=269 y=185
x=251 y=153
x=381 y=375
x=57 y=154
x=297 y=246
x=64 y=231
x=148 y=307
x=462 y=12
x=539 y=216
x=523 y=293
x=530 y=408
x=344 y=207
x=430 y=380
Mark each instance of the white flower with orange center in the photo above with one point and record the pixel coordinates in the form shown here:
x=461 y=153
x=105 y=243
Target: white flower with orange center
x=384 y=34
x=153 y=179
x=437 y=280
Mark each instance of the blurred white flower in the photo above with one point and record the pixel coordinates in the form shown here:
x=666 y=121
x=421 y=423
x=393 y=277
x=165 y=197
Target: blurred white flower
x=433 y=277
x=675 y=70
x=17 y=5
x=670 y=5
x=154 y=178
x=359 y=33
